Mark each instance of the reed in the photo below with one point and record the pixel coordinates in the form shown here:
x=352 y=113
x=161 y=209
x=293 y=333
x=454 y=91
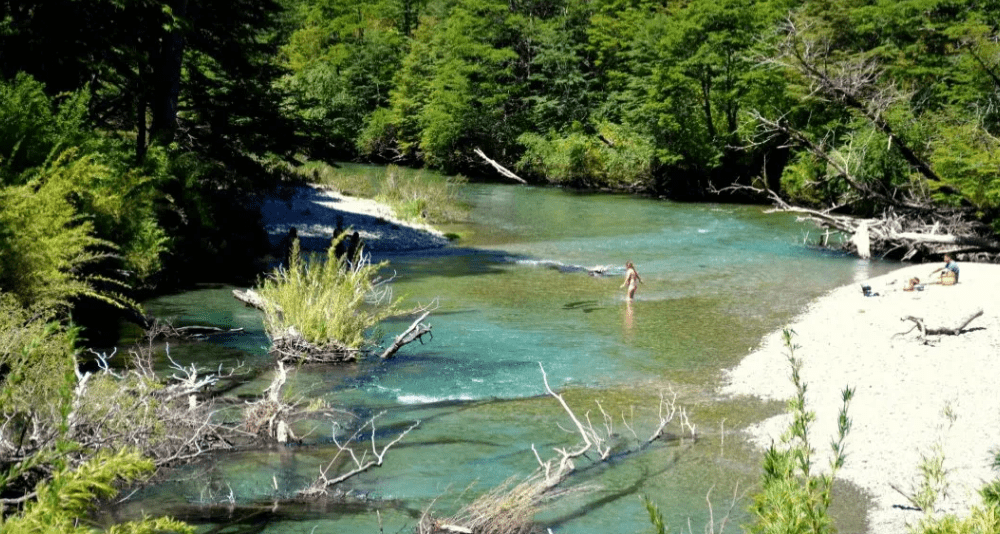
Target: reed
x=413 y=194
x=331 y=302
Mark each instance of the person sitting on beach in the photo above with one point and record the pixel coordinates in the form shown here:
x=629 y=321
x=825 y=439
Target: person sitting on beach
x=911 y=284
x=949 y=273
x=632 y=279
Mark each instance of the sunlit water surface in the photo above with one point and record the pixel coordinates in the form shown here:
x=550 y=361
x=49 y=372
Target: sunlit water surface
x=512 y=294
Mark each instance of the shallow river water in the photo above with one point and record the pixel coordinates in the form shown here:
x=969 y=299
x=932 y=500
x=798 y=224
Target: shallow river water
x=510 y=298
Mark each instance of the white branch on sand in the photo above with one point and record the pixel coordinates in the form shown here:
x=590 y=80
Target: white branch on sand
x=500 y=168
x=362 y=464
x=918 y=323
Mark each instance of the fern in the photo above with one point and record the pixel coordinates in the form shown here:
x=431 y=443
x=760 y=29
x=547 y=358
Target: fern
x=64 y=500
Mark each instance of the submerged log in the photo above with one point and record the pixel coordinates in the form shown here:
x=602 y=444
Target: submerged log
x=292 y=346
x=253 y=299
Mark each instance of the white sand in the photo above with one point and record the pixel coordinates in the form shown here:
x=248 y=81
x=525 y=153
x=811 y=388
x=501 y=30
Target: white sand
x=904 y=387
x=313 y=211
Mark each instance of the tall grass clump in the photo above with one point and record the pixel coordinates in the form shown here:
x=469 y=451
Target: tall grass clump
x=794 y=498
x=414 y=195
x=330 y=302
x=422 y=196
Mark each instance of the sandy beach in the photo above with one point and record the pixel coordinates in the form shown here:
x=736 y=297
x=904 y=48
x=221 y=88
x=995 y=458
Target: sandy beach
x=314 y=210
x=912 y=395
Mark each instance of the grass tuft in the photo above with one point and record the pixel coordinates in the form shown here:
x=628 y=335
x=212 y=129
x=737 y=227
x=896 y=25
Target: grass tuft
x=331 y=302
x=414 y=195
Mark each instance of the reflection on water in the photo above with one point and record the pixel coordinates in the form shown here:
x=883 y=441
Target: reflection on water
x=536 y=279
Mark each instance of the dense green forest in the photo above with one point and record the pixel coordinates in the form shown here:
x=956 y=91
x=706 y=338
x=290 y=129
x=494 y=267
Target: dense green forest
x=132 y=130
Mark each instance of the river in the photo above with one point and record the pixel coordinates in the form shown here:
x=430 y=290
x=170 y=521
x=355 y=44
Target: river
x=510 y=296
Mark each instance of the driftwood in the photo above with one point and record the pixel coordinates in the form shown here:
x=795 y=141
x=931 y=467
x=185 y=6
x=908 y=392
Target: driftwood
x=500 y=168
x=925 y=331
x=904 y=234
x=253 y=299
x=415 y=332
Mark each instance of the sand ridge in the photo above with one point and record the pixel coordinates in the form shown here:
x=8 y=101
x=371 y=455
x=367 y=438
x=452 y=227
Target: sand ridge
x=313 y=210
x=910 y=396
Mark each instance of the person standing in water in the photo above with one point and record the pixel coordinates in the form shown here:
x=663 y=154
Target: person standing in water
x=632 y=279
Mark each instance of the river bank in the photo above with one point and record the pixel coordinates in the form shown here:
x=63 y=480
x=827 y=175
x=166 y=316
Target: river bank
x=911 y=396
x=314 y=212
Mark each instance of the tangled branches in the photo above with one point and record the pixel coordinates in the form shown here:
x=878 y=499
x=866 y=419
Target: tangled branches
x=510 y=507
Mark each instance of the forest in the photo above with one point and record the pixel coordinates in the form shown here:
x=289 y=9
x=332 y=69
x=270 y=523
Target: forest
x=132 y=131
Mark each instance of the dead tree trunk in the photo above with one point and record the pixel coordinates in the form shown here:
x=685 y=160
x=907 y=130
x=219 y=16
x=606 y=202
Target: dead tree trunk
x=500 y=168
x=415 y=332
x=852 y=83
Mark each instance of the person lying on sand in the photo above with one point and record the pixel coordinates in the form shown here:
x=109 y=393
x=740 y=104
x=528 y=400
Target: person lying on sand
x=913 y=284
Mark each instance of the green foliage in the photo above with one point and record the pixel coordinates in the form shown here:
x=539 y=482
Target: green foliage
x=64 y=500
x=342 y=58
x=32 y=128
x=421 y=195
x=49 y=147
x=969 y=156
x=331 y=303
x=39 y=353
x=655 y=517
x=416 y=195
x=981 y=520
x=44 y=243
x=614 y=156
x=793 y=499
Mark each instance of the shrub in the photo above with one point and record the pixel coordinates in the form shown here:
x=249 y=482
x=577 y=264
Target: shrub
x=43 y=241
x=32 y=127
x=793 y=498
x=614 y=156
x=63 y=501
x=330 y=301
x=419 y=195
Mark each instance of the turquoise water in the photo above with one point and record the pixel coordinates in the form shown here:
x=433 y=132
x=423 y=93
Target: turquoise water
x=513 y=294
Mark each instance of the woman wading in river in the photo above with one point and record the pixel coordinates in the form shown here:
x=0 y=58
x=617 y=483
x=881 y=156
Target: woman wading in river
x=632 y=279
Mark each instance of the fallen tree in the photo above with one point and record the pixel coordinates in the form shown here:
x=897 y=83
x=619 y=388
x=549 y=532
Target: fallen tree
x=902 y=221
x=902 y=236
x=918 y=323
x=510 y=507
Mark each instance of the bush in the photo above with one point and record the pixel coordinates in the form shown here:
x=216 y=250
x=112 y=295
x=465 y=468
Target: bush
x=63 y=501
x=793 y=499
x=331 y=302
x=421 y=196
x=43 y=241
x=415 y=195
x=32 y=127
x=614 y=156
